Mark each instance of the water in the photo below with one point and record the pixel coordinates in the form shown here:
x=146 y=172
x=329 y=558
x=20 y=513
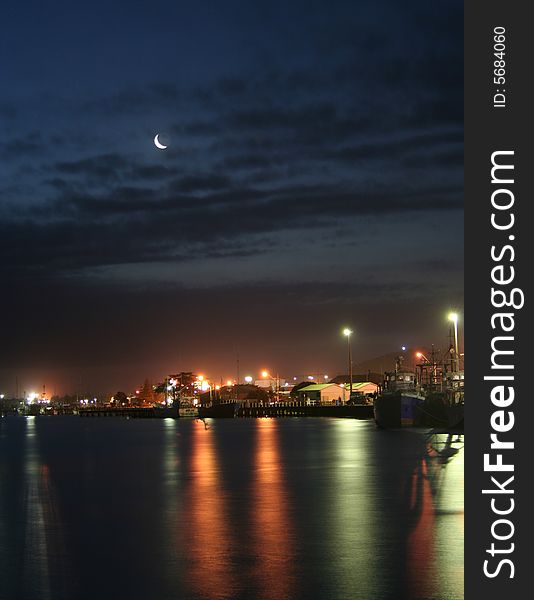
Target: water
x=269 y=509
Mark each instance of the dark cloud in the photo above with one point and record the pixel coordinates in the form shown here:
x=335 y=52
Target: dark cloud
x=105 y=167
x=250 y=161
x=136 y=225
x=385 y=149
x=151 y=172
x=200 y=183
x=8 y=110
x=27 y=146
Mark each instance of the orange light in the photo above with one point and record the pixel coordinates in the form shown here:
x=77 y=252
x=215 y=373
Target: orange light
x=265 y=374
x=229 y=382
x=419 y=354
x=200 y=377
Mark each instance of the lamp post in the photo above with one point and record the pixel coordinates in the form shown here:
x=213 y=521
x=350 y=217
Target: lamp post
x=347 y=332
x=421 y=355
x=454 y=318
x=267 y=375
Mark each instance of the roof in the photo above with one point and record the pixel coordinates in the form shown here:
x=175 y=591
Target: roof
x=357 y=385
x=316 y=387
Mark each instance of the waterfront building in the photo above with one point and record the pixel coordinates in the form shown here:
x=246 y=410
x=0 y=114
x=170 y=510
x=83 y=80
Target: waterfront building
x=322 y=393
x=328 y=393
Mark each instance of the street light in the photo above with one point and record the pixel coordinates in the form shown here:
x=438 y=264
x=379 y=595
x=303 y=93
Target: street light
x=347 y=332
x=267 y=375
x=454 y=318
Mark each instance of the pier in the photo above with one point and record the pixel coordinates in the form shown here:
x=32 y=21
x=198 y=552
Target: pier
x=249 y=410
x=129 y=412
x=301 y=409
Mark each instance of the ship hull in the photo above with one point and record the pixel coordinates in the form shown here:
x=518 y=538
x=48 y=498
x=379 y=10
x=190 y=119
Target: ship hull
x=188 y=412
x=439 y=411
x=399 y=409
x=402 y=409
x=226 y=410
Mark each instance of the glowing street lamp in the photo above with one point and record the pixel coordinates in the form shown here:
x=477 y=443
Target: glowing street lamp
x=267 y=375
x=347 y=333
x=454 y=318
x=248 y=379
x=421 y=355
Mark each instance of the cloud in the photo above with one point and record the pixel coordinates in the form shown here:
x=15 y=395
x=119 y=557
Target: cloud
x=106 y=167
x=27 y=146
x=350 y=126
x=197 y=183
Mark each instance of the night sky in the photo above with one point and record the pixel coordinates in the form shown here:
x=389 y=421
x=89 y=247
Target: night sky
x=313 y=180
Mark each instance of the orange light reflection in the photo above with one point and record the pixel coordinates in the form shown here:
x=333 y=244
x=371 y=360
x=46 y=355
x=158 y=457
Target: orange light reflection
x=272 y=528
x=421 y=552
x=208 y=533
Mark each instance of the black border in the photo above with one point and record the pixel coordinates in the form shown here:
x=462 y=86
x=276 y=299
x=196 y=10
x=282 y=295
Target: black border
x=488 y=129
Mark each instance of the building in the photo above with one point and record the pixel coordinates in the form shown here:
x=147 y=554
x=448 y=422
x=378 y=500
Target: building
x=324 y=393
x=363 y=391
x=366 y=388
x=328 y=393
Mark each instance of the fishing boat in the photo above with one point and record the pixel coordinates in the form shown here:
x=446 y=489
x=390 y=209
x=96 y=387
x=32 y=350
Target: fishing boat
x=430 y=396
x=219 y=410
x=187 y=408
x=188 y=412
x=399 y=403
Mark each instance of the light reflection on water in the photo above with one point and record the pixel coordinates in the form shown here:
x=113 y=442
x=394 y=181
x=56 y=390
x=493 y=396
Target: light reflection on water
x=272 y=531
x=208 y=545
x=230 y=509
x=33 y=543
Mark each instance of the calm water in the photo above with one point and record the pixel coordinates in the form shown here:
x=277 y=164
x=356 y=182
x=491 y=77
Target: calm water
x=244 y=509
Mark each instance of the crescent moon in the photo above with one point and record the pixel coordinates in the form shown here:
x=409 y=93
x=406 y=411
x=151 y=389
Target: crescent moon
x=158 y=144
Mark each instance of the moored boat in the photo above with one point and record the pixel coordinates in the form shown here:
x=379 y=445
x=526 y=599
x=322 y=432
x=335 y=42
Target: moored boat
x=400 y=402
x=219 y=410
x=432 y=397
x=188 y=412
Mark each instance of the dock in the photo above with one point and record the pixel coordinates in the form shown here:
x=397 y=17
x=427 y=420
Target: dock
x=249 y=410
x=128 y=412
x=301 y=409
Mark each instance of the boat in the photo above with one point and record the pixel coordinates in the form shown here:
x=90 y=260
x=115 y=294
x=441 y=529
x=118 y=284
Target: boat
x=218 y=410
x=432 y=396
x=188 y=412
x=161 y=412
x=187 y=408
x=400 y=401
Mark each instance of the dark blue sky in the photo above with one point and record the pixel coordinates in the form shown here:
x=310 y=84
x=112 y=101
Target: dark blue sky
x=314 y=178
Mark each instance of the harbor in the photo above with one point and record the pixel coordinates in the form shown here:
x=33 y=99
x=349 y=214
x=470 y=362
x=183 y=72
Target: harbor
x=427 y=393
